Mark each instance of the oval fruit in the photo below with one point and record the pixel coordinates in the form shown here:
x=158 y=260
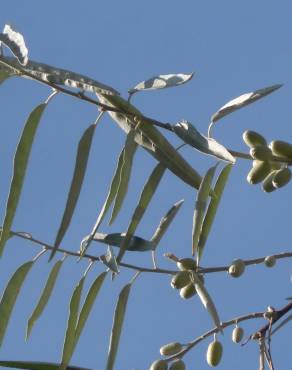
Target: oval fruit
x=180 y=280
x=252 y=138
x=281 y=148
x=282 y=177
x=177 y=365
x=186 y=264
x=270 y=261
x=188 y=291
x=259 y=172
x=170 y=349
x=214 y=353
x=158 y=365
x=237 y=334
x=261 y=152
x=237 y=268
x=267 y=184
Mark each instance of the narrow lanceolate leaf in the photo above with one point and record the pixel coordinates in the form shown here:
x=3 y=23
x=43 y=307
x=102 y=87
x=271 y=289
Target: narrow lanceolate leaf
x=118 y=321
x=128 y=155
x=165 y=222
x=190 y=135
x=145 y=198
x=76 y=184
x=212 y=208
x=162 y=82
x=58 y=76
x=44 y=298
x=88 y=304
x=200 y=207
x=136 y=243
x=69 y=343
x=243 y=100
x=150 y=139
x=15 y=42
x=5 y=73
x=19 y=168
x=10 y=295
x=206 y=300
x=31 y=365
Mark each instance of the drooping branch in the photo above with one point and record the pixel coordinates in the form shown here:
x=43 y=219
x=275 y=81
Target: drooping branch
x=259 y=334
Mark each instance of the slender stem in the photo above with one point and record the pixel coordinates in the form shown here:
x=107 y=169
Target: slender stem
x=202 y=270
x=260 y=334
x=193 y=343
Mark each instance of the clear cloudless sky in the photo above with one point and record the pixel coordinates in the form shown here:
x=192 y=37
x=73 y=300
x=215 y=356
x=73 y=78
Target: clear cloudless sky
x=233 y=47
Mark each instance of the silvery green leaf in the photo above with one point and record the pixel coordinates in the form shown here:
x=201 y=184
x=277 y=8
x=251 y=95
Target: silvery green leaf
x=118 y=321
x=20 y=164
x=109 y=199
x=69 y=342
x=44 y=298
x=190 y=135
x=200 y=206
x=165 y=222
x=88 y=305
x=15 y=42
x=151 y=139
x=10 y=295
x=145 y=198
x=136 y=244
x=243 y=100
x=206 y=300
x=125 y=174
x=5 y=73
x=212 y=208
x=58 y=76
x=81 y=160
x=109 y=259
x=162 y=82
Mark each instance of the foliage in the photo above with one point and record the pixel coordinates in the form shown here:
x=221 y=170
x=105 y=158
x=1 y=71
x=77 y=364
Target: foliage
x=270 y=167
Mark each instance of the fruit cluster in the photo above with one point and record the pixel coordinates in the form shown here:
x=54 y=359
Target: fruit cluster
x=182 y=280
x=213 y=355
x=273 y=174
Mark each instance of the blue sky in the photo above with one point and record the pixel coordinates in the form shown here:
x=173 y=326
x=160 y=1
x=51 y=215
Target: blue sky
x=233 y=48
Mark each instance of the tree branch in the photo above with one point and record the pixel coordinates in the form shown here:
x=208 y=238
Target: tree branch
x=201 y=270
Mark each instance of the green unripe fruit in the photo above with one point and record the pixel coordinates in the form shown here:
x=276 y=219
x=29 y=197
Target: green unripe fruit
x=267 y=184
x=170 y=349
x=177 y=365
x=214 y=353
x=282 y=177
x=259 y=172
x=188 y=291
x=270 y=261
x=281 y=148
x=237 y=268
x=252 y=138
x=159 y=365
x=186 y=264
x=276 y=165
x=261 y=152
x=237 y=334
x=180 y=280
